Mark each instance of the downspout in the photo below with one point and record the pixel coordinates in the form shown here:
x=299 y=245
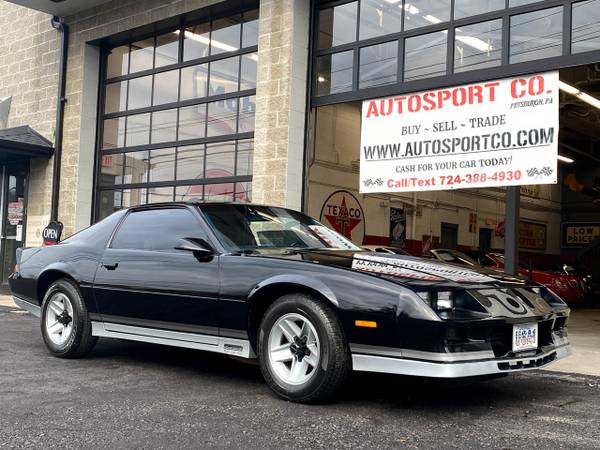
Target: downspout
x=63 y=29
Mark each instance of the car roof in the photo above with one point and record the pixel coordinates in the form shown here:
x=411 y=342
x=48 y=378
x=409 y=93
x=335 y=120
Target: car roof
x=199 y=203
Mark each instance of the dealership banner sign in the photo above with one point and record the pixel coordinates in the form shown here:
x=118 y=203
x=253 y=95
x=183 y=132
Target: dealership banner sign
x=579 y=234
x=494 y=133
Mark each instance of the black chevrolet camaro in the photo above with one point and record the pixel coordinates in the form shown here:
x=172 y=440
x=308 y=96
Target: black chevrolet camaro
x=274 y=284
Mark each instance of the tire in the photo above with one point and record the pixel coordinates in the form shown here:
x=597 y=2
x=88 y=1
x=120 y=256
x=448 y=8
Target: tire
x=302 y=370
x=63 y=306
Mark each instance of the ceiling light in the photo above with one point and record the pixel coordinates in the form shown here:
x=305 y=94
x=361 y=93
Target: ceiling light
x=565 y=159
x=587 y=98
x=321 y=79
x=411 y=9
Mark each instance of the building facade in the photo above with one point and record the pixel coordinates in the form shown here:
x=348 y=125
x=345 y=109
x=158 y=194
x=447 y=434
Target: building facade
x=261 y=100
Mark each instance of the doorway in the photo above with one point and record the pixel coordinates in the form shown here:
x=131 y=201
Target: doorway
x=449 y=235
x=485 y=240
x=13 y=210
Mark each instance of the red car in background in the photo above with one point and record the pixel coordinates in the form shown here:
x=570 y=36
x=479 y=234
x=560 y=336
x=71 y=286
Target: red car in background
x=570 y=288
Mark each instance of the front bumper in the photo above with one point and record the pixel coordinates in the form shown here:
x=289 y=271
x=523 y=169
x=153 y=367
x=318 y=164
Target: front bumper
x=448 y=365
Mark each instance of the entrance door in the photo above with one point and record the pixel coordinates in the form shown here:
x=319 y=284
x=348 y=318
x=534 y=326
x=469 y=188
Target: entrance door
x=485 y=239
x=13 y=212
x=449 y=236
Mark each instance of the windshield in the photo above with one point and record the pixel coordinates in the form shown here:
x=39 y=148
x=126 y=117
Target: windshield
x=249 y=227
x=456 y=257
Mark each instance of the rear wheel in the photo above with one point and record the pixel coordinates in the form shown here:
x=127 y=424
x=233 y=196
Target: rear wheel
x=66 y=327
x=302 y=350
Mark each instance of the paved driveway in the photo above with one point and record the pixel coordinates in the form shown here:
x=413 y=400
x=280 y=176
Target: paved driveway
x=139 y=395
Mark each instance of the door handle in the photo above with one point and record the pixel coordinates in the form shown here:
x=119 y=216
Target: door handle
x=110 y=266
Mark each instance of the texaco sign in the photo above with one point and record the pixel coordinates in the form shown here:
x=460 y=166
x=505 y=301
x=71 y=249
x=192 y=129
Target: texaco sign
x=343 y=213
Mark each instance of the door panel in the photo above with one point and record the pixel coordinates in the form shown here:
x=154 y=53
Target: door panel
x=167 y=287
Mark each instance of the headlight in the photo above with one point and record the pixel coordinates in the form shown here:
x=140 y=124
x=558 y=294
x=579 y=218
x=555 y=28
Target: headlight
x=438 y=300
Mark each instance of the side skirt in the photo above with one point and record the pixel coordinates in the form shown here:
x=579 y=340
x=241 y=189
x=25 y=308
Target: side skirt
x=228 y=346
x=34 y=310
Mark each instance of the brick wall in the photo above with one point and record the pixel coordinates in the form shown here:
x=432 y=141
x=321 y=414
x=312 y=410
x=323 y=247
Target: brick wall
x=29 y=73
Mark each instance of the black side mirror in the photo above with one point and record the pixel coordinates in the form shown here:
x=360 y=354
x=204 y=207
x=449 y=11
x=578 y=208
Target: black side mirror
x=198 y=246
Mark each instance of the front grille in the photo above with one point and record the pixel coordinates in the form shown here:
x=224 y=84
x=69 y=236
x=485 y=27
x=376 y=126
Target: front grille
x=527 y=364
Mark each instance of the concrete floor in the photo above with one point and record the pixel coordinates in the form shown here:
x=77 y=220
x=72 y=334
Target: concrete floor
x=584 y=334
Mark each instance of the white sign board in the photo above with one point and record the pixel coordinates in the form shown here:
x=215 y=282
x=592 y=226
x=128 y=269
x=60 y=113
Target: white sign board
x=494 y=133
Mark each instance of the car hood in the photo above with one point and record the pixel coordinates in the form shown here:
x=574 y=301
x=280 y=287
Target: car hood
x=406 y=269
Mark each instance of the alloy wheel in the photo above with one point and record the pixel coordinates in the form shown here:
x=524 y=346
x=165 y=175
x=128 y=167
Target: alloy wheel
x=59 y=318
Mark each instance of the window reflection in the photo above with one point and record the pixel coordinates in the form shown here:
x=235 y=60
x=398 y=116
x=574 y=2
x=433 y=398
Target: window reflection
x=220 y=160
x=245 y=152
x=192 y=122
x=196 y=42
x=247 y=109
x=224 y=76
x=536 y=35
x=190 y=162
x=379 y=17
x=425 y=56
x=334 y=73
x=586 y=26
x=466 y=8
x=162 y=164
x=167 y=49
x=166 y=87
x=116 y=97
x=225 y=35
x=134 y=197
x=248 y=71
x=193 y=81
x=117 y=61
x=478 y=46
x=164 y=126
x=160 y=194
x=221 y=117
x=136 y=167
x=422 y=13
x=142 y=55
x=250 y=29
x=337 y=25
x=114 y=133
x=138 y=129
x=378 y=64
x=140 y=92
x=189 y=193
x=111 y=169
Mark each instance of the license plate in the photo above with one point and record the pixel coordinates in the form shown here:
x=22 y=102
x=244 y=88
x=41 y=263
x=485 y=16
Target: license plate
x=525 y=337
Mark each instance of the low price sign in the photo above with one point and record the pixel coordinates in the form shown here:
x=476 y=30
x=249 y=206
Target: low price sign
x=495 y=133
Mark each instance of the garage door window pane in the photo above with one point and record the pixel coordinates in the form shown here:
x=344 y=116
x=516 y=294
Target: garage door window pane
x=337 y=25
x=140 y=92
x=167 y=49
x=425 y=56
x=134 y=197
x=164 y=126
x=222 y=117
x=116 y=97
x=136 y=167
x=189 y=193
x=586 y=26
x=245 y=151
x=423 y=13
x=114 y=133
x=196 y=42
x=224 y=76
x=166 y=87
x=536 y=35
x=250 y=29
x=478 y=46
x=190 y=162
x=225 y=35
x=466 y=8
x=111 y=169
x=513 y=3
x=378 y=65
x=220 y=160
x=193 y=81
x=117 y=61
x=162 y=164
x=248 y=71
x=142 y=55
x=334 y=73
x=222 y=192
x=110 y=201
x=247 y=110
x=192 y=122
x=379 y=17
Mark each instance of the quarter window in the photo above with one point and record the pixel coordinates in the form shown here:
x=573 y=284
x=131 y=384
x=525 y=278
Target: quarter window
x=157 y=229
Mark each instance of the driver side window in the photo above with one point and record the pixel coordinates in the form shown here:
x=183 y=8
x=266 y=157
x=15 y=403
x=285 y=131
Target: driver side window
x=157 y=229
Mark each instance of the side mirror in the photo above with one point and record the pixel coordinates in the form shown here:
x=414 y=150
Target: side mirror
x=195 y=245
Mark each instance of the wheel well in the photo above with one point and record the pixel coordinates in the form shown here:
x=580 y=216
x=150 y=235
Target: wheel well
x=46 y=279
x=266 y=297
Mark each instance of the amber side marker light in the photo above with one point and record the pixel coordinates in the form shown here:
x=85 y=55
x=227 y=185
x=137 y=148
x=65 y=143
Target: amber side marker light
x=365 y=323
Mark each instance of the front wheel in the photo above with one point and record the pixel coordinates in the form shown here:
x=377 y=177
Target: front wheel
x=302 y=350
x=65 y=323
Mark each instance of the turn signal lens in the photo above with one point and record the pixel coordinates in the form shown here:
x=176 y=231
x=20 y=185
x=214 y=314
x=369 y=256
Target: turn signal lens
x=365 y=323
